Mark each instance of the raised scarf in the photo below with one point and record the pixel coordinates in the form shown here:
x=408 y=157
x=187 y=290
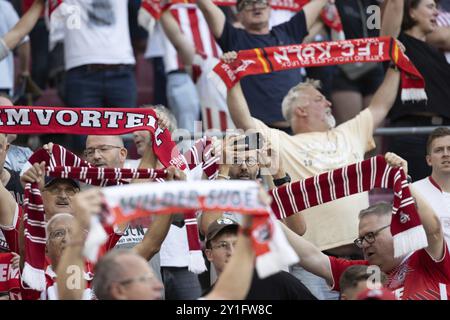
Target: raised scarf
x=64 y=164
x=101 y=121
x=406 y=228
x=271 y=247
x=267 y=60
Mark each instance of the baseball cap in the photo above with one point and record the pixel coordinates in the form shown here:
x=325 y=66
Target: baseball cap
x=218 y=225
x=49 y=181
x=376 y=294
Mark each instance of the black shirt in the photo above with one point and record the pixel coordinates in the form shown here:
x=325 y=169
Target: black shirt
x=280 y=286
x=434 y=68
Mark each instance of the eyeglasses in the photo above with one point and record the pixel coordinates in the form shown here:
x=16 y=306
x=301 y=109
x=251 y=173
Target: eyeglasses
x=57 y=191
x=145 y=278
x=61 y=233
x=223 y=245
x=369 y=237
x=90 y=152
x=247 y=4
x=58 y=234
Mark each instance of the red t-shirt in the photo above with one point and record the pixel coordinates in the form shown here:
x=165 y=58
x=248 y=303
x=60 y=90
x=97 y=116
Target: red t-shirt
x=418 y=277
x=26 y=5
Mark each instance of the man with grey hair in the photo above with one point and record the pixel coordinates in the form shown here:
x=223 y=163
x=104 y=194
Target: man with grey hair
x=316 y=147
x=420 y=275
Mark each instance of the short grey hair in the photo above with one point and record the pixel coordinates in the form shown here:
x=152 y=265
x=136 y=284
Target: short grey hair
x=107 y=271
x=379 y=209
x=290 y=99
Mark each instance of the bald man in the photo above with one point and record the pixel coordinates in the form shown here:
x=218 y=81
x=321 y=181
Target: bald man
x=105 y=151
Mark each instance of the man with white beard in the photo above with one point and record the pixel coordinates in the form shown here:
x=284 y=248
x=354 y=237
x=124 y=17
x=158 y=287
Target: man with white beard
x=318 y=146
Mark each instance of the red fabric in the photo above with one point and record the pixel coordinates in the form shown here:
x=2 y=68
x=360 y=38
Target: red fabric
x=417 y=278
x=9 y=278
x=91 y=121
x=267 y=60
x=355 y=178
x=52 y=5
x=339 y=265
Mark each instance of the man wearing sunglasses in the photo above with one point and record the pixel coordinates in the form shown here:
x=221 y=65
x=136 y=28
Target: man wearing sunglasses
x=421 y=275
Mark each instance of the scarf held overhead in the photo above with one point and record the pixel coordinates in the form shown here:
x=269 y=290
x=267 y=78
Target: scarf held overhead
x=272 y=249
x=91 y=121
x=267 y=60
x=406 y=228
x=64 y=164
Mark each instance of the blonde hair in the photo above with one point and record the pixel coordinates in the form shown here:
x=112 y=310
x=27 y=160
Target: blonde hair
x=290 y=99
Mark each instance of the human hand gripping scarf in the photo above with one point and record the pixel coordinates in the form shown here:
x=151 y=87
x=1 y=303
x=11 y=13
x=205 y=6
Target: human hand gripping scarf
x=406 y=228
x=105 y=121
x=267 y=60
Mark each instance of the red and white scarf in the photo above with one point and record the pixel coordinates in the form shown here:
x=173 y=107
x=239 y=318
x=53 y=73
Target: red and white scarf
x=267 y=60
x=406 y=228
x=104 y=121
x=135 y=201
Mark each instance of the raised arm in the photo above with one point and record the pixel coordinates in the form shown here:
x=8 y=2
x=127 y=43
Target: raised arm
x=24 y=26
x=428 y=216
x=213 y=15
x=384 y=97
x=184 y=47
x=312 y=11
x=236 y=278
x=440 y=38
x=392 y=18
x=311 y=258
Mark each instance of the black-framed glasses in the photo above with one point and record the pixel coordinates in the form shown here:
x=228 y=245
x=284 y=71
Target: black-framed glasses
x=89 y=152
x=248 y=4
x=369 y=237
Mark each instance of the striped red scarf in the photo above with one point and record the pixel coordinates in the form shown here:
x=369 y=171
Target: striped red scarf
x=406 y=228
x=104 y=121
x=64 y=164
x=267 y=60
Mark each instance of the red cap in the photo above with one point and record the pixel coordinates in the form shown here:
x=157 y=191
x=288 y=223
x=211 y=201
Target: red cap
x=377 y=294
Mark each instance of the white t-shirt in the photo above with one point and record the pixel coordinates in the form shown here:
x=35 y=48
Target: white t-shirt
x=8 y=19
x=100 y=35
x=332 y=224
x=439 y=201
